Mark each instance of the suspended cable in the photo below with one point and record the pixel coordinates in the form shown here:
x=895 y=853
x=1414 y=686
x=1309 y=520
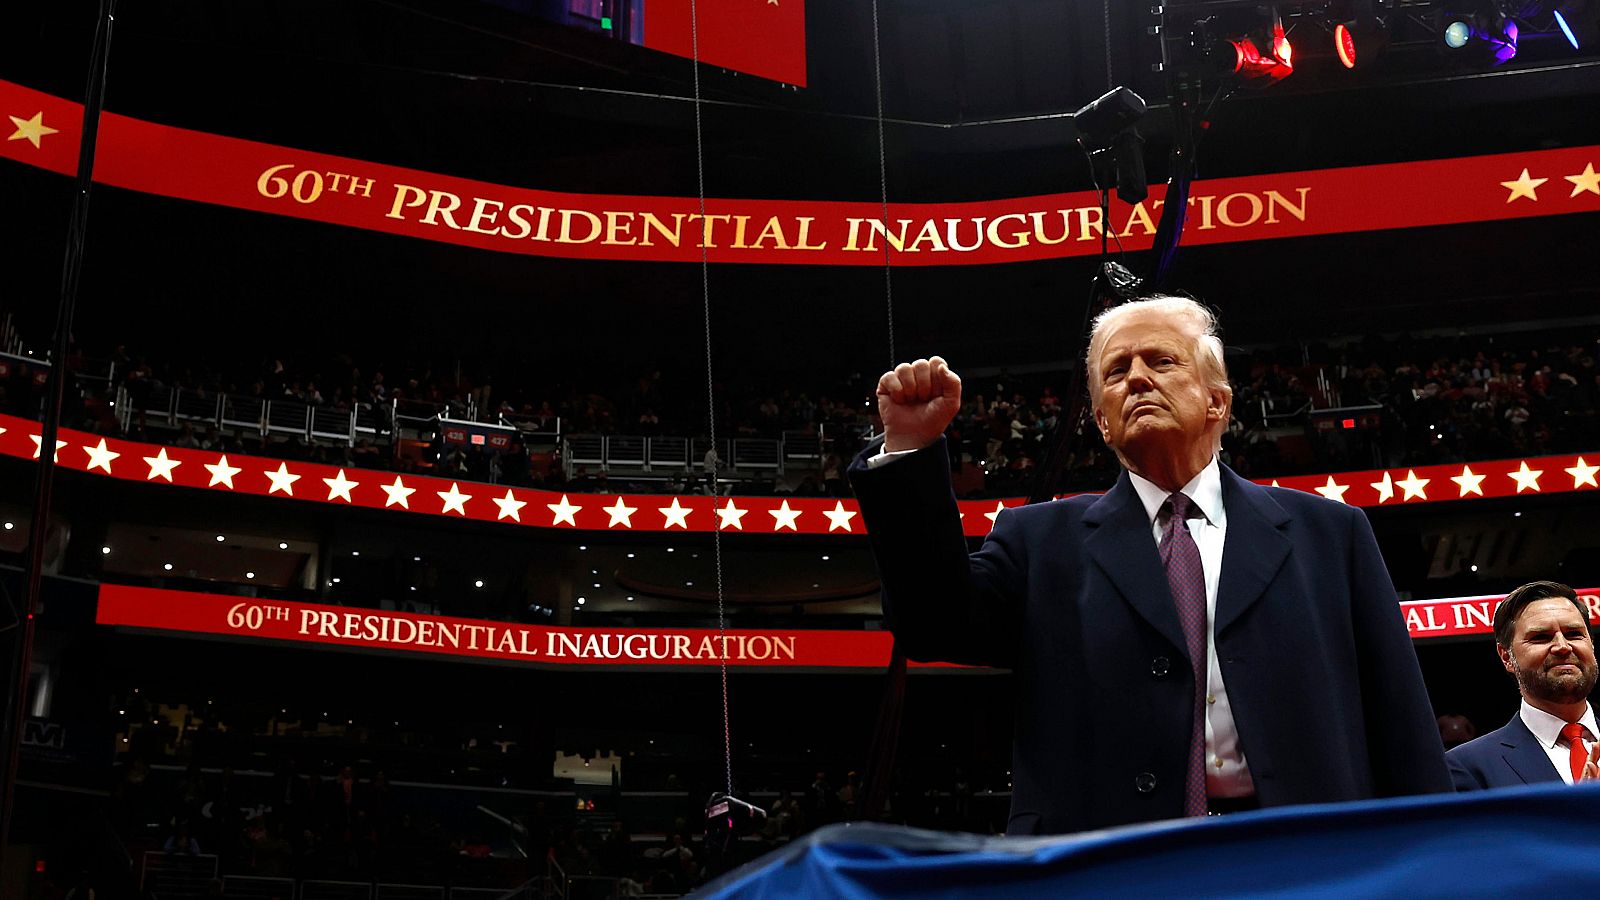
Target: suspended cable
x=883 y=184
x=711 y=391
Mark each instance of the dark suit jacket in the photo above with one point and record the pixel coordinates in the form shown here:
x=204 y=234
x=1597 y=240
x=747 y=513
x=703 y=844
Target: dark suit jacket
x=1505 y=758
x=1071 y=595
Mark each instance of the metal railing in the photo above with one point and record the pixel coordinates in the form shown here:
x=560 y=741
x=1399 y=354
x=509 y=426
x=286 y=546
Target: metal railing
x=174 y=407
x=410 y=892
x=335 y=890
x=177 y=874
x=682 y=456
x=253 y=887
x=555 y=880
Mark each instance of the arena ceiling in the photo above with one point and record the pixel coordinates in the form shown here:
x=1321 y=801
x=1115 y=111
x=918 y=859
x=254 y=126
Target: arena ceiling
x=975 y=99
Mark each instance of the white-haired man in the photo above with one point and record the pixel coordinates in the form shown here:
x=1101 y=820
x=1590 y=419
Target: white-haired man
x=1187 y=643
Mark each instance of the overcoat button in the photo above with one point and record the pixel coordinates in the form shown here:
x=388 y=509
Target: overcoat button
x=1145 y=782
x=1160 y=666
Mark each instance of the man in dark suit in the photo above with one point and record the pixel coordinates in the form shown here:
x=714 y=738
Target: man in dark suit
x=1188 y=642
x=1541 y=632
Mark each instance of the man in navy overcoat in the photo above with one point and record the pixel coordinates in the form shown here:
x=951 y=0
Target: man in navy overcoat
x=1307 y=688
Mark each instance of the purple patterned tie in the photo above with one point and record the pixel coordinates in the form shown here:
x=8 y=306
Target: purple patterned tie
x=1187 y=578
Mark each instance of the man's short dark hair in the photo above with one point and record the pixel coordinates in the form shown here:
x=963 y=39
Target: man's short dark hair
x=1505 y=618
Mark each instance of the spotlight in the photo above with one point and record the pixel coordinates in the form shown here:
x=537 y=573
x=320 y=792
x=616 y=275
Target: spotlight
x=1263 y=56
x=1577 y=20
x=1360 y=40
x=1566 y=29
x=1482 y=39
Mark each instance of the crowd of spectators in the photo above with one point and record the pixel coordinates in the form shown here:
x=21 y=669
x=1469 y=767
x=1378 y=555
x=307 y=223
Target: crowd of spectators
x=1429 y=400
x=300 y=807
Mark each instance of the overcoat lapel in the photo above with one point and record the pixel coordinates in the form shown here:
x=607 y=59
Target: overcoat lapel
x=1254 y=550
x=1121 y=543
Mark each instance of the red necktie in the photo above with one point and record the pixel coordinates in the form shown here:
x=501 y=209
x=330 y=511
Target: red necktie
x=1187 y=578
x=1576 y=755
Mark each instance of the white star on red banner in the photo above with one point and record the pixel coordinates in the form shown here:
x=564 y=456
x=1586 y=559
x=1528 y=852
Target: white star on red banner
x=564 y=511
x=161 y=466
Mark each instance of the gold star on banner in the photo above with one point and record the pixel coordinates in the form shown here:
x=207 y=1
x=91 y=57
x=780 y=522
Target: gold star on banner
x=1527 y=479
x=731 y=516
x=995 y=516
x=31 y=130
x=1413 y=486
x=510 y=506
x=1468 y=482
x=564 y=512
x=1332 y=490
x=282 y=480
x=783 y=517
x=454 y=499
x=398 y=493
x=222 y=473
x=160 y=466
x=620 y=513
x=1385 y=488
x=340 y=486
x=839 y=517
x=1583 y=474
x=677 y=514
x=1586 y=181
x=38 y=444
x=1524 y=187
x=100 y=457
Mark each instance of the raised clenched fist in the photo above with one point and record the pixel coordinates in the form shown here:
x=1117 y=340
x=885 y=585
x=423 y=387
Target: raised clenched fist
x=917 y=400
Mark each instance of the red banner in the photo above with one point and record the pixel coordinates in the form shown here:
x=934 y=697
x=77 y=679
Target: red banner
x=208 y=168
x=548 y=645
x=426 y=495
x=373 y=629
x=758 y=37
x=1456 y=616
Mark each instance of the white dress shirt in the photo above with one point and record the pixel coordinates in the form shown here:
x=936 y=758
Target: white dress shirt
x=1547 y=730
x=1227 y=772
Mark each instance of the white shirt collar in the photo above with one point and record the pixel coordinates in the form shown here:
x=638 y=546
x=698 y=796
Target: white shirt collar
x=1547 y=728
x=1205 y=489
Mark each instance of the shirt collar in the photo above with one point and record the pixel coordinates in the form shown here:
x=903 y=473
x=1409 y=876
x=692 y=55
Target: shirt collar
x=1547 y=728
x=1205 y=489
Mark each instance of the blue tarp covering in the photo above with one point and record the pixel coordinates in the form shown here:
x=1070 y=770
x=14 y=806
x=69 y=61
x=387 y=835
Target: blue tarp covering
x=1538 y=841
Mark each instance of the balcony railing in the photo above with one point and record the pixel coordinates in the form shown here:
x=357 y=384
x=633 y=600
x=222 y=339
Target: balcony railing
x=746 y=457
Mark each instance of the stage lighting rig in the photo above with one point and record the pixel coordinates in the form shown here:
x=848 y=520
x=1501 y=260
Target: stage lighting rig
x=1258 y=56
x=1577 y=21
x=1484 y=34
x=1360 y=38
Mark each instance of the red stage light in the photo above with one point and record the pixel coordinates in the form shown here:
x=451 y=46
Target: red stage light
x=1345 y=43
x=1281 y=48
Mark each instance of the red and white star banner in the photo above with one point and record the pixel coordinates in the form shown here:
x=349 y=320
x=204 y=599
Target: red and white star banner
x=208 y=168
x=428 y=495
